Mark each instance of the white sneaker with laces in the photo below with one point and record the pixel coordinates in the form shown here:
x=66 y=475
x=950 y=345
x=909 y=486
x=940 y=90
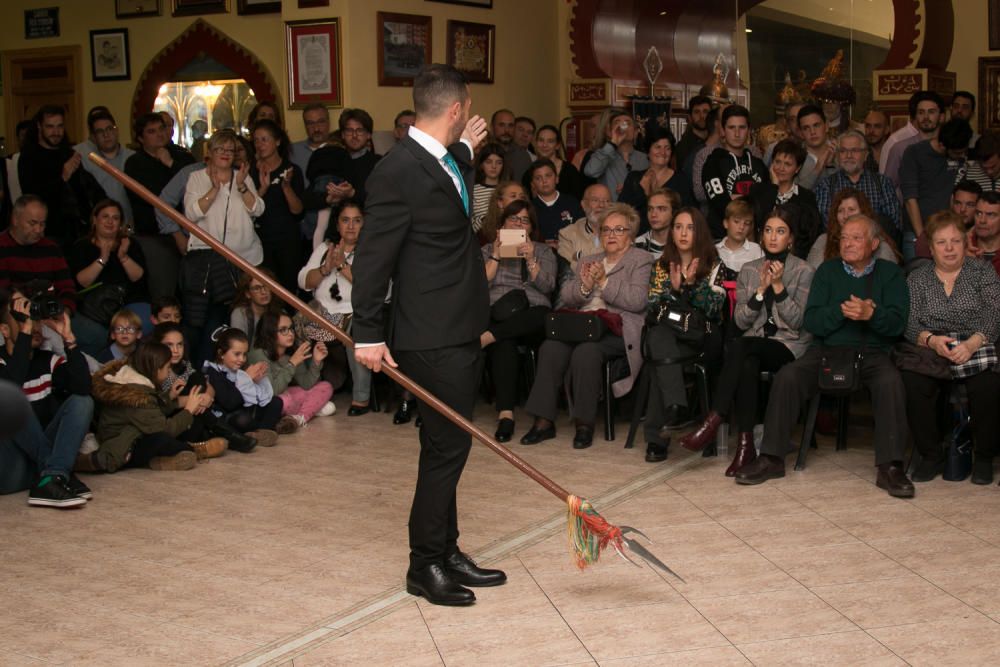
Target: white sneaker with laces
x=327 y=410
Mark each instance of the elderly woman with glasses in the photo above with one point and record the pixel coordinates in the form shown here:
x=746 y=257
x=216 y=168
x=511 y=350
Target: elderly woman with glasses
x=222 y=200
x=520 y=297
x=329 y=276
x=611 y=284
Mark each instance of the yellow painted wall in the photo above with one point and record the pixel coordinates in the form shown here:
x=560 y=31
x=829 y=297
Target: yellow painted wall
x=971 y=42
x=527 y=63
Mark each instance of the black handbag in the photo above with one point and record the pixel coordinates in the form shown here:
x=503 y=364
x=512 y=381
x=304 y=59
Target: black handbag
x=510 y=304
x=687 y=322
x=840 y=367
x=574 y=327
x=101 y=302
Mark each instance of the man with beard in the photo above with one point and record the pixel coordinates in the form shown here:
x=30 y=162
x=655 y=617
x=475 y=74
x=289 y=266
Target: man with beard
x=697 y=128
x=926 y=108
x=851 y=152
x=50 y=169
x=104 y=141
x=417 y=234
x=731 y=170
x=876 y=134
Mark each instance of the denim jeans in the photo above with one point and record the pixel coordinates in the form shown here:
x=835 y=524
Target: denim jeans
x=22 y=456
x=66 y=430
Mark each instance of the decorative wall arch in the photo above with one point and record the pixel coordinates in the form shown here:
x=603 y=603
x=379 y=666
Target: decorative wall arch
x=201 y=37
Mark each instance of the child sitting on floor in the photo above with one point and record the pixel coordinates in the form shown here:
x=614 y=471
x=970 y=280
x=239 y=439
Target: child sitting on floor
x=294 y=370
x=125 y=332
x=244 y=398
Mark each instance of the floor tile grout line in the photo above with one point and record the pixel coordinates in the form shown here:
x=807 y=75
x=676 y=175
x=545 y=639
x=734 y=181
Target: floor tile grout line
x=430 y=634
x=557 y=610
x=345 y=622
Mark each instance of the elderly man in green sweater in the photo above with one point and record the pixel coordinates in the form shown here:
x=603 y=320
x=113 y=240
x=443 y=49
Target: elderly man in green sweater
x=856 y=301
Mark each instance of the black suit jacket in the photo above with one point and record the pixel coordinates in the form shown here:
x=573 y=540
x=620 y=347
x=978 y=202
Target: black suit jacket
x=418 y=233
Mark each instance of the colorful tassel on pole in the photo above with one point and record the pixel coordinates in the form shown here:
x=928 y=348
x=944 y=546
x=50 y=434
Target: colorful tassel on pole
x=589 y=532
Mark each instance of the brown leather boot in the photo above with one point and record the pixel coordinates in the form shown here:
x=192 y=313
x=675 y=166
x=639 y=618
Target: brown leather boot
x=745 y=453
x=704 y=434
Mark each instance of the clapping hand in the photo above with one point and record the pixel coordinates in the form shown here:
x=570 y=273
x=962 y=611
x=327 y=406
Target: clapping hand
x=475 y=131
x=71 y=165
x=194 y=404
x=241 y=174
x=264 y=173
x=860 y=310
x=319 y=352
x=587 y=276
x=301 y=354
x=257 y=371
x=123 y=248
x=676 y=279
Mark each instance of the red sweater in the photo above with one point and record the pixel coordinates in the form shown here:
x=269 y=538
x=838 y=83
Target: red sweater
x=44 y=260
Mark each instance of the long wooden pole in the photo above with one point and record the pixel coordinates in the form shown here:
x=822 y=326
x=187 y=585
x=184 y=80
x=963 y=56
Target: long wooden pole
x=426 y=398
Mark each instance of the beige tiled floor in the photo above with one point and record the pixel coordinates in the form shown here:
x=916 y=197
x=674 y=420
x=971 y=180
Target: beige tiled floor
x=295 y=556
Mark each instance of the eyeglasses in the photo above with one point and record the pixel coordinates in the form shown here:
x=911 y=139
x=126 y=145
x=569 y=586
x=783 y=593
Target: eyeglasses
x=122 y=330
x=258 y=288
x=285 y=330
x=614 y=231
x=101 y=131
x=520 y=219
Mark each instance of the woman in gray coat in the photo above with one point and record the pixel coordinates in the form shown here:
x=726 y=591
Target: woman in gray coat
x=771 y=295
x=615 y=281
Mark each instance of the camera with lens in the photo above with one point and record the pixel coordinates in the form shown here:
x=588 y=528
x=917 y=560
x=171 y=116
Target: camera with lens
x=43 y=304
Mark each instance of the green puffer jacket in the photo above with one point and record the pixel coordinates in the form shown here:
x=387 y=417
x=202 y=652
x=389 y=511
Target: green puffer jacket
x=130 y=406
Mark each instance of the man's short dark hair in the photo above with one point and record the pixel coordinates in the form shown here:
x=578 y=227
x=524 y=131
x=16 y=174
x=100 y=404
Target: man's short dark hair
x=809 y=110
x=525 y=119
x=147 y=119
x=988 y=146
x=956 y=133
x=698 y=100
x=791 y=148
x=96 y=115
x=540 y=163
x=49 y=110
x=965 y=185
x=991 y=197
x=493 y=118
x=404 y=112
x=359 y=115
x=436 y=88
x=924 y=96
x=967 y=95
x=160 y=302
x=315 y=106
x=735 y=111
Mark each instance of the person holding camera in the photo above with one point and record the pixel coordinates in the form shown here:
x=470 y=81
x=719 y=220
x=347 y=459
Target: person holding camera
x=616 y=157
x=26 y=255
x=57 y=387
x=521 y=288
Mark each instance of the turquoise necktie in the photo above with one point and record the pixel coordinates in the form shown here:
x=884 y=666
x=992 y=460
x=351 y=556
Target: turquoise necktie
x=453 y=166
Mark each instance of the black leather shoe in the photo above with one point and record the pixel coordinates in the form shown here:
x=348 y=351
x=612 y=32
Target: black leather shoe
x=358 y=410
x=655 y=452
x=536 y=435
x=463 y=570
x=434 y=584
x=982 y=471
x=505 y=430
x=892 y=478
x=584 y=436
x=764 y=468
x=405 y=412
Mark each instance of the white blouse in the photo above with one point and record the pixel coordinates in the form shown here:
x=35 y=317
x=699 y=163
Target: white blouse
x=322 y=291
x=237 y=232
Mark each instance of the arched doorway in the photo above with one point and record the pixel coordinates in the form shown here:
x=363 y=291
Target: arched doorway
x=216 y=69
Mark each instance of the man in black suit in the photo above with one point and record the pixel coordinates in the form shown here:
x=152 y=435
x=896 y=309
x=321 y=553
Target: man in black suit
x=418 y=233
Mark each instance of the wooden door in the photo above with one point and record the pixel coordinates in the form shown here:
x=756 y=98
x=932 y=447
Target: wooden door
x=36 y=77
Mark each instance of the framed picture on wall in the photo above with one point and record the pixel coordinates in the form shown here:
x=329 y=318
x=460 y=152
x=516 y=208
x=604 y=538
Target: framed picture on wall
x=198 y=7
x=244 y=7
x=127 y=9
x=994 y=25
x=404 y=47
x=470 y=48
x=109 y=55
x=314 y=63
x=989 y=94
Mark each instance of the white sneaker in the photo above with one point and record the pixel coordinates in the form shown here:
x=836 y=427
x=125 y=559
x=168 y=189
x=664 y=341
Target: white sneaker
x=300 y=420
x=327 y=410
x=89 y=444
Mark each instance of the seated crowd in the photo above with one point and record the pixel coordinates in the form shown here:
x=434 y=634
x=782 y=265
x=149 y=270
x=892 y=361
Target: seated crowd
x=616 y=273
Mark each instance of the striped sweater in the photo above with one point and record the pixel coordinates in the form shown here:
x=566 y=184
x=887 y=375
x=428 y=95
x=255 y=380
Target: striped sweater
x=46 y=378
x=20 y=264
